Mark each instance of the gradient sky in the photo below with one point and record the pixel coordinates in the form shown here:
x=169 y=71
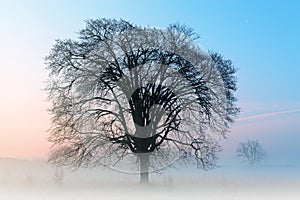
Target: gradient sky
x=262 y=38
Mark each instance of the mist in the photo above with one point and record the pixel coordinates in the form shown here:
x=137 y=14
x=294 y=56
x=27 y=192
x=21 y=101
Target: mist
x=35 y=179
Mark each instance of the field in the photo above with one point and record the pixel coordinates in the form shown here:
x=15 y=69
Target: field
x=20 y=179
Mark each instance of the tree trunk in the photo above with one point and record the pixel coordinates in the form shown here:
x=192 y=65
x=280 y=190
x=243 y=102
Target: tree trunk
x=144 y=168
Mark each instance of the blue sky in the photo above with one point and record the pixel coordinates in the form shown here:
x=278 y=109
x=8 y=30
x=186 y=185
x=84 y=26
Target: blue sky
x=261 y=37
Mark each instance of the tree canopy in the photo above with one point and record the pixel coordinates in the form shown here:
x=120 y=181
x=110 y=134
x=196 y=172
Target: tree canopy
x=120 y=90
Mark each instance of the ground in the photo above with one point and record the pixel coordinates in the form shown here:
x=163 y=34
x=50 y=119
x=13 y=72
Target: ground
x=21 y=179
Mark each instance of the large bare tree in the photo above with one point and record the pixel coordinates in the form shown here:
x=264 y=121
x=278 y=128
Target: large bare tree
x=137 y=98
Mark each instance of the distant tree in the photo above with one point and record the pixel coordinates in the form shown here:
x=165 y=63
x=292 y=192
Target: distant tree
x=126 y=94
x=252 y=151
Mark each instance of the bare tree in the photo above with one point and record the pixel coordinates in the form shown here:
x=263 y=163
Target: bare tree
x=138 y=98
x=252 y=151
x=58 y=176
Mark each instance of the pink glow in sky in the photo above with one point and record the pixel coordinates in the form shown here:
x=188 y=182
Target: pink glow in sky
x=268 y=77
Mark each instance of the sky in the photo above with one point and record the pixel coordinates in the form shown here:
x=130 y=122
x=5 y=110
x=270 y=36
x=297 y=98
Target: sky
x=261 y=38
